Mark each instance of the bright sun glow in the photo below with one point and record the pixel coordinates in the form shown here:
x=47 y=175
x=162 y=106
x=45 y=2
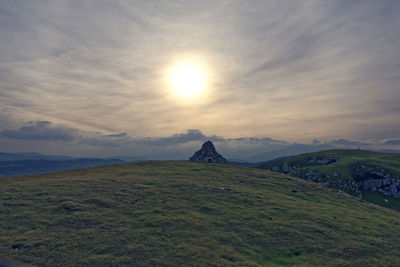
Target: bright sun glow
x=188 y=79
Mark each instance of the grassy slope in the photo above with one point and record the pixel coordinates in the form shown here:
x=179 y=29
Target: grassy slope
x=183 y=213
x=349 y=157
x=388 y=161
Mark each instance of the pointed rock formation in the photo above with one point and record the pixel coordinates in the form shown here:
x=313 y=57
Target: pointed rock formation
x=207 y=153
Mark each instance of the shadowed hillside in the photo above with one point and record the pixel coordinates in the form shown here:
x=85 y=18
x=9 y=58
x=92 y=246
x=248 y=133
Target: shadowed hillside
x=185 y=214
x=373 y=176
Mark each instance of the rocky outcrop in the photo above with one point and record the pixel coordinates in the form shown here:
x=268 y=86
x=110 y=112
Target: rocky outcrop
x=388 y=187
x=208 y=154
x=290 y=168
x=335 y=180
x=322 y=160
x=376 y=179
x=363 y=177
x=362 y=171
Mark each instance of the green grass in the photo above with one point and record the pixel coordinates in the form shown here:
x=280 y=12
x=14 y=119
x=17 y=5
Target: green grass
x=379 y=199
x=348 y=158
x=342 y=170
x=189 y=214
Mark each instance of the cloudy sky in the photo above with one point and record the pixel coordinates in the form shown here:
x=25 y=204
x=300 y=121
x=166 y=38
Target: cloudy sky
x=88 y=78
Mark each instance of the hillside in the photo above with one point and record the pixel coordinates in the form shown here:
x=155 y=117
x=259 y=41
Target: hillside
x=373 y=176
x=186 y=214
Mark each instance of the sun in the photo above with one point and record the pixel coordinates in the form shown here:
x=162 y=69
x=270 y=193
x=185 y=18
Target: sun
x=188 y=79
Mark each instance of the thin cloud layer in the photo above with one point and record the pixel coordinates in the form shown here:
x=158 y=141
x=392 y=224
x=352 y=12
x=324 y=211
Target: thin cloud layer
x=41 y=130
x=176 y=146
x=394 y=142
x=295 y=71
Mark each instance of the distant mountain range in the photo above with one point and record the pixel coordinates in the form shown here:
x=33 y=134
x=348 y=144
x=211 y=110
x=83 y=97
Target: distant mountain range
x=12 y=164
x=31 y=155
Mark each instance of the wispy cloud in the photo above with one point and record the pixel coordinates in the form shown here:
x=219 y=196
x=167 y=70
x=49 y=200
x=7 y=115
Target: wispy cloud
x=41 y=130
x=176 y=146
x=344 y=142
x=289 y=70
x=395 y=142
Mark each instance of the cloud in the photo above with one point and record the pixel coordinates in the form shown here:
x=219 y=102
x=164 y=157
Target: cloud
x=173 y=140
x=395 y=142
x=295 y=51
x=175 y=146
x=344 y=142
x=278 y=67
x=191 y=135
x=43 y=131
x=176 y=139
x=256 y=141
x=46 y=131
x=110 y=140
x=120 y=135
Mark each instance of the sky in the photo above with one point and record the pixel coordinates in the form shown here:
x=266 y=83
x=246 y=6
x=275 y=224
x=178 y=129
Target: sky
x=88 y=78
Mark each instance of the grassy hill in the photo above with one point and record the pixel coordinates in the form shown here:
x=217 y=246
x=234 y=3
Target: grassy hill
x=370 y=175
x=189 y=214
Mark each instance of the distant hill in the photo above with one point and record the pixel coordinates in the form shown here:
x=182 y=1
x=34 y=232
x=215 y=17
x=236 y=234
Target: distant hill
x=189 y=214
x=373 y=176
x=31 y=155
x=34 y=163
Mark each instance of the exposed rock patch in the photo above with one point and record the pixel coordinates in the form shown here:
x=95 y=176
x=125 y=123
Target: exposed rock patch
x=364 y=177
x=288 y=169
x=208 y=154
x=376 y=179
x=322 y=160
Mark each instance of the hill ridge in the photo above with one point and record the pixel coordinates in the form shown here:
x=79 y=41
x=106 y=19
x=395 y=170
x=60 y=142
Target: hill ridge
x=357 y=172
x=180 y=213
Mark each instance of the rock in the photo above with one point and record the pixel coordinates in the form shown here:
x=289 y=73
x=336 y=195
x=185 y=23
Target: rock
x=275 y=169
x=364 y=176
x=207 y=153
x=393 y=189
x=322 y=160
x=285 y=167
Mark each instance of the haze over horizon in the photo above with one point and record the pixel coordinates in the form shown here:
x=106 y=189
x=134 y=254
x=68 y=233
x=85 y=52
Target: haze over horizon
x=101 y=78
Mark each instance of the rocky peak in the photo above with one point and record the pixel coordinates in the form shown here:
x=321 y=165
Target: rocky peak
x=207 y=153
x=208 y=146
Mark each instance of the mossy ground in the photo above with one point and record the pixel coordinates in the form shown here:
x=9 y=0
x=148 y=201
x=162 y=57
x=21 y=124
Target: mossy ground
x=189 y=214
